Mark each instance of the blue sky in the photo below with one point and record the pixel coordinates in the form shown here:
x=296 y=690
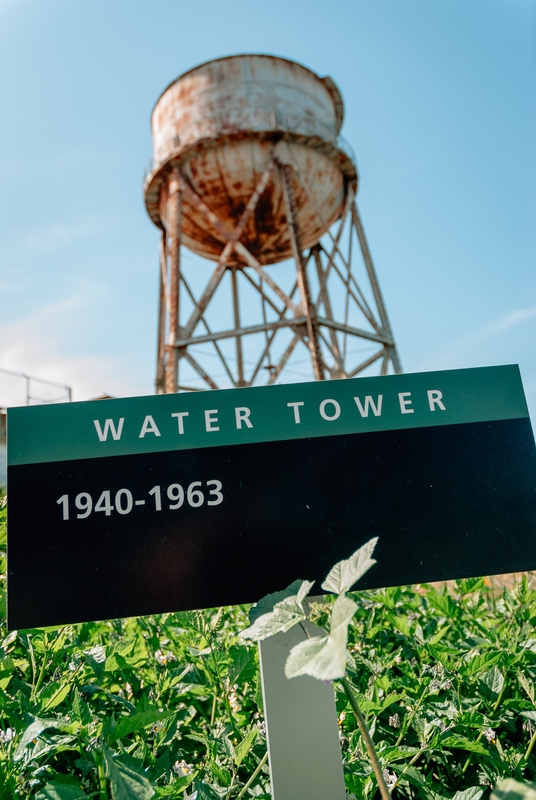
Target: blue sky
x=440 y=110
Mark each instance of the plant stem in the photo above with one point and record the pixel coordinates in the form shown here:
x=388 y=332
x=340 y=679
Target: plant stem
x=213 y=712
x=102 y=780
x=244 y=788
x=529 y=748
x=368 y=740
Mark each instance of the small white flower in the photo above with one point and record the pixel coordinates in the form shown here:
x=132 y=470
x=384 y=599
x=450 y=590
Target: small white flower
x=446 y=685
x=7 y=735
x=164 y=658
x=158 y=726
x=181 y=768
x=389 y=778
x=394 y=721
x=233 y=701
x=261 y=725
x=489 y=734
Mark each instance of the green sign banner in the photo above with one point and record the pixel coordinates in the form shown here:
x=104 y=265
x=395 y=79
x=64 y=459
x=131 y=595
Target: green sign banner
x=98 y=429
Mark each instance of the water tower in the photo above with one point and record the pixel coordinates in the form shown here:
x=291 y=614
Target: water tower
x=250 y=173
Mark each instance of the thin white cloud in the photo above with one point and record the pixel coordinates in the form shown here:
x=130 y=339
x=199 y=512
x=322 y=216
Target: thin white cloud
x=41 y=346
x=55 y=236
x=485 y=344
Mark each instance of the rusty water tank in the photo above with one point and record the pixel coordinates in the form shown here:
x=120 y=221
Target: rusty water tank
x=221 y=122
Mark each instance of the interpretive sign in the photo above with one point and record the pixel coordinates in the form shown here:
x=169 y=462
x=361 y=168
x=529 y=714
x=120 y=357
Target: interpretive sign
x=181 y=501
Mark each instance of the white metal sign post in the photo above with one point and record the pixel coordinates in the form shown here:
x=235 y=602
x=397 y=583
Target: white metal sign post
x=301 y=727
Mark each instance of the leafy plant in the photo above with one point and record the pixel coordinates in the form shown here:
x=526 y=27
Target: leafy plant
x=322 y=657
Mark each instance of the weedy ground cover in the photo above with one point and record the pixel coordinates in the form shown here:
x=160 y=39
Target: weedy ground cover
x=170 y=705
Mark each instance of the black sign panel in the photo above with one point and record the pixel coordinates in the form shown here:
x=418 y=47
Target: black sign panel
x=192 y=528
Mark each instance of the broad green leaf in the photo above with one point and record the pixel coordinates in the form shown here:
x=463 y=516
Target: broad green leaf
x=127 y=783
x=202 y=791
x=244 y=665
x=493 y=682
x=472 y=793
x=136 y=722
x=176 y=789
x=267 y=603
x=243 y=748
x=509 y=789
x=527 y=685
x=346 y=573
x=223 y=776
x=201 y=690
x=53 y=694
x=529 y=715
x=479 y=663
x=438 y=635
x=401 y=623
x=6 y=672
x=461 y=743
x=413 y=775
x=81 y=708
x=442 y=602
x=32 y=732
x=394 y=697
x=324 y=657
x=395 y=753
x=60 y=791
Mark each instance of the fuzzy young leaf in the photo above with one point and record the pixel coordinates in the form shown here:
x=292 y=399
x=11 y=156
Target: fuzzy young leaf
x=346 y=573
x=324 y=657
x=284 y=616
x=267 y=603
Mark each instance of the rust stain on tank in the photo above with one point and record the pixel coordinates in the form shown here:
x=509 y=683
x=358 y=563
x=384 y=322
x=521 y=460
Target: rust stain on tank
x=220 y=123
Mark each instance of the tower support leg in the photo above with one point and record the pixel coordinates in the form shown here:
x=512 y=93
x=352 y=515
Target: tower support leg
x=163 y=310
x=174 y=206
x=303 y=281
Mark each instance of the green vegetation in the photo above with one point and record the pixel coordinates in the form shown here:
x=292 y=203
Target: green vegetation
x=170 y=705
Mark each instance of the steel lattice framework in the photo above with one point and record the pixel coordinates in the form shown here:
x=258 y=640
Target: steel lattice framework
x=333 y=308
